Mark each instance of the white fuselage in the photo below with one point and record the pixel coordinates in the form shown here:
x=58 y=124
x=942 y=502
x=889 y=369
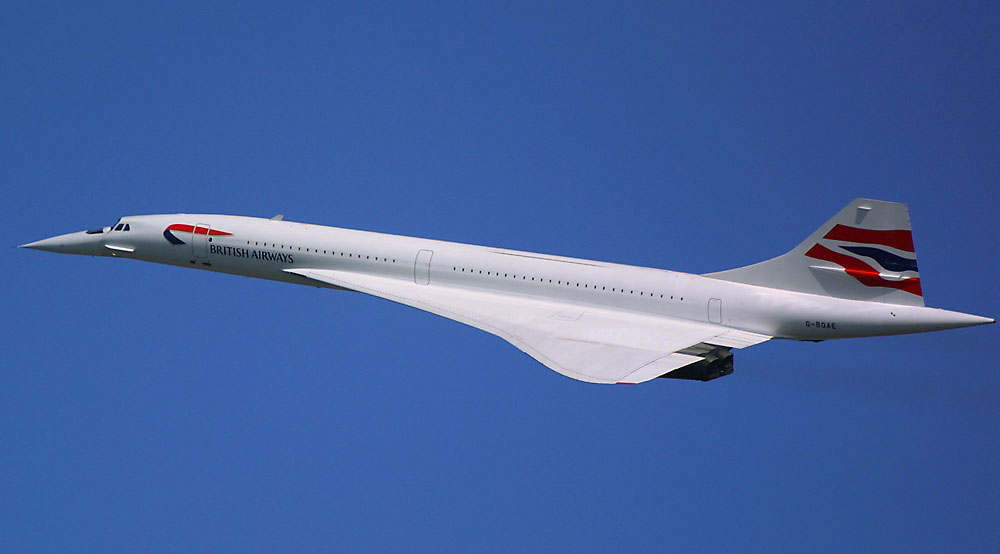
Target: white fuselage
x=265 y=248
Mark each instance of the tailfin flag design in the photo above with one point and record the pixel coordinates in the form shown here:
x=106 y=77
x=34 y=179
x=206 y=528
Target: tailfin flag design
x=865 y=252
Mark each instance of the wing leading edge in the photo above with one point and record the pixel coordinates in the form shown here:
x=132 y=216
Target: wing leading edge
x=585 y=343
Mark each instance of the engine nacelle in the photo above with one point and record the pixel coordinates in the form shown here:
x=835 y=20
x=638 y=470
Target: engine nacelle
x=717 y=363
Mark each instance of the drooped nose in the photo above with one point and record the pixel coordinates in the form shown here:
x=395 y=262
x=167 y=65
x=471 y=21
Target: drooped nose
x=71 y=243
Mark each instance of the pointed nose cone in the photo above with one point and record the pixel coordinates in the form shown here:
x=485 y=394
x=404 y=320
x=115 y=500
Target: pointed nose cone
x=72 y=243
x=44 y=244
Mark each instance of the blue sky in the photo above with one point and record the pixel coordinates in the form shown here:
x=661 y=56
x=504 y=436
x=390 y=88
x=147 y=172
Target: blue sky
x=149 y=408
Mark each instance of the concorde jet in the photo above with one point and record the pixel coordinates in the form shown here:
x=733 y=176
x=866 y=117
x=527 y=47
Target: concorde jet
x=600 y=322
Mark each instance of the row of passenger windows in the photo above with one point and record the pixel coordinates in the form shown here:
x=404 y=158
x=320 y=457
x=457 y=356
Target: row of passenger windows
x=319 y=251
x=461 y=269
x=566 y=283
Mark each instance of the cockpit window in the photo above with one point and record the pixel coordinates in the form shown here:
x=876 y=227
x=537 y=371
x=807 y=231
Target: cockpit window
x=126 y=228
x=119 y=226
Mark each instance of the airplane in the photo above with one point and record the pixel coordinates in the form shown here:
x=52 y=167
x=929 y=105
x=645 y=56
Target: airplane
x=599 y=322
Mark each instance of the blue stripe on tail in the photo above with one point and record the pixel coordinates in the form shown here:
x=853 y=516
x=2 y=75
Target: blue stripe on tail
x=888 y=260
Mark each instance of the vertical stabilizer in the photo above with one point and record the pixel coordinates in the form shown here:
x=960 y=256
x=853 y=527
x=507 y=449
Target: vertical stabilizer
x=865 y=252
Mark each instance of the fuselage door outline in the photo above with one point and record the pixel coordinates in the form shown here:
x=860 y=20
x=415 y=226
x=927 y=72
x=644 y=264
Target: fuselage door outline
x=199 y=241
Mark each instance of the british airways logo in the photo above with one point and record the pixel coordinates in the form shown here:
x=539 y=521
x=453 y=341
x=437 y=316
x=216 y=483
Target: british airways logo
x=251 y=253
x=168 y=233
x=900 y=240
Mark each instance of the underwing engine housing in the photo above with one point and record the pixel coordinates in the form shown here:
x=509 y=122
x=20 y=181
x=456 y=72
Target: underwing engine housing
x=717 y=362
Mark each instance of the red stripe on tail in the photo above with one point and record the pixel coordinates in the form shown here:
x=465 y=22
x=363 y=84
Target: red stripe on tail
x=863 y=272
x=901 y=239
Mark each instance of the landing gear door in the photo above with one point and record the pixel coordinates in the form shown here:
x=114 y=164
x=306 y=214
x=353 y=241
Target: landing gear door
x=199 y=242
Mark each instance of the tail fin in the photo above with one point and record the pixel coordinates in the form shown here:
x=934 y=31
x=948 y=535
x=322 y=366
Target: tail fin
x=865 y=252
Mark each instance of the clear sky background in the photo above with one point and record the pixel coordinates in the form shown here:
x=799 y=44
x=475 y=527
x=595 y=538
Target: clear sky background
x=146 y=408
